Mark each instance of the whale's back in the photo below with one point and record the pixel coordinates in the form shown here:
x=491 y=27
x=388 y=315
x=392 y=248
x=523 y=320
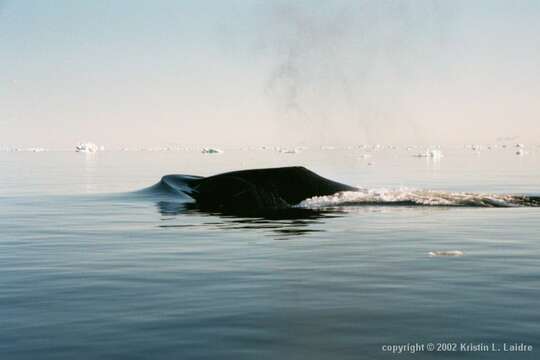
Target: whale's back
x=260 y=189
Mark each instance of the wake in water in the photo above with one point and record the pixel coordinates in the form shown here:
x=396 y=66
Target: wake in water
x=412 y=197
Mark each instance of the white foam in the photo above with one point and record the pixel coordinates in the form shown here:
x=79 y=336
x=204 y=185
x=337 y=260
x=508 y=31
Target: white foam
x=406 y=196
x=447 y=253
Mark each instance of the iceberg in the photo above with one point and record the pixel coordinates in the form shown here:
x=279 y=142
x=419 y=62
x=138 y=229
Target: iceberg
x=294 y=150
x=434 y=154
x=86 y=147
x=35 y=149
x=289 y=151
x=211 y=151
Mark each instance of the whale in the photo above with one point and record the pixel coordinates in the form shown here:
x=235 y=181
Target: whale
x=251 y=191
x=276 y=192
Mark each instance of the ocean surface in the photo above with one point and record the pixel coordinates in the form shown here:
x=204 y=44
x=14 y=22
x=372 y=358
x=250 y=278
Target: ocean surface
x=90 y=268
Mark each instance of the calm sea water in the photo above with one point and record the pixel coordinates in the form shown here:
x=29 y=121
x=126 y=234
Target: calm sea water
x=90 y=270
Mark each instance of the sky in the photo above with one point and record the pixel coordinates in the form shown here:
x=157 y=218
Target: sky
x=245 y=72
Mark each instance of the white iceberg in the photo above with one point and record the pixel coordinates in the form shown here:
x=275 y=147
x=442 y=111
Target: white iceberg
x=294 y=150
x=211 y=151
x=433 y=154
x=35 y=149
x=86 y=147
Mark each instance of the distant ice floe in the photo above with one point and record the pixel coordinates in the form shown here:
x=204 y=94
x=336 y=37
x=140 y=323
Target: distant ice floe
x=35 y=149
x=16 y=149
x=295 y=150
x=520 y=149
x=160 y=148
x=288 y=151
x=433 y=154
x=447 y=253
x=211 y=151
x=87 y=147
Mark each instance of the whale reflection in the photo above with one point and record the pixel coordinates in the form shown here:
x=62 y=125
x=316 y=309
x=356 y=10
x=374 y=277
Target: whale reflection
x=283 y=223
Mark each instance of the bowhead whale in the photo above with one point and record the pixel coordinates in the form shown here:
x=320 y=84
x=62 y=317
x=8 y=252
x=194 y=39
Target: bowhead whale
x=252 y=191
x=275 y=191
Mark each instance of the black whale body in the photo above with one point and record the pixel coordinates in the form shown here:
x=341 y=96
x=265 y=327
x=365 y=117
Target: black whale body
x=252 y=191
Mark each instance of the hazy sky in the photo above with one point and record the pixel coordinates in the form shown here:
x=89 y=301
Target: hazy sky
x=126 y=73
